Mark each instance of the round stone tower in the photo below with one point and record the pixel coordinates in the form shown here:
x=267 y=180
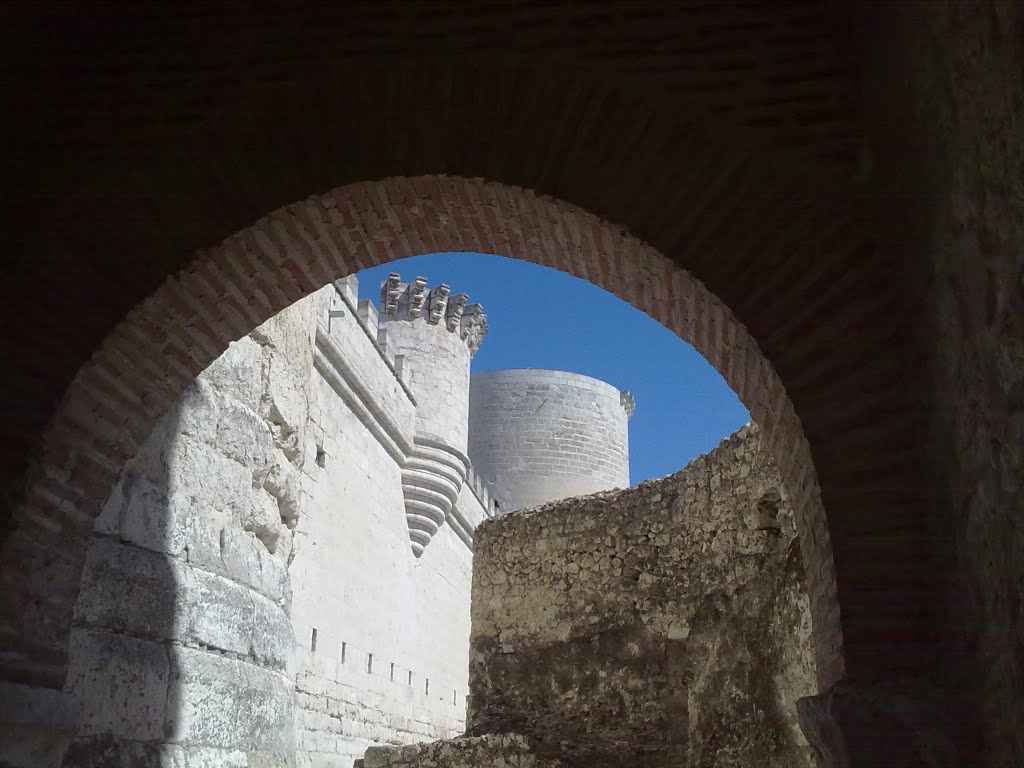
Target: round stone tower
x=434 y=336
x=537 y=435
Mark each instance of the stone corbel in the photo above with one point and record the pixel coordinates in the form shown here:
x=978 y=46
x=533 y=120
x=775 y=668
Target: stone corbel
x=389 y=293
x=417 y=296
x=474 y=326
x=438 y=303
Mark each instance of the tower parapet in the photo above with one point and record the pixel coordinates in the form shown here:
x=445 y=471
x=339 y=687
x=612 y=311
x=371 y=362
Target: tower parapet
x=413 y=300
x=433 y=335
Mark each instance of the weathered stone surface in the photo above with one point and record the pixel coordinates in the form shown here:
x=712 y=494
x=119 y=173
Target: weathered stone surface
x=123 y=682
x=196 y=414
x=211 y=479
x=245 y=437
x=216 y=613
x=108 y=752
x=228 y=704
x=663 y=625
x=284 y=483
x=505 y=750
x=246 y=560
x=272 y=638
x=263 y=519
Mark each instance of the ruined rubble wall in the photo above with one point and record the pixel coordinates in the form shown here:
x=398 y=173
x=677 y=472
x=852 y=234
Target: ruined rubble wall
x=490 y=751
x=666 y=624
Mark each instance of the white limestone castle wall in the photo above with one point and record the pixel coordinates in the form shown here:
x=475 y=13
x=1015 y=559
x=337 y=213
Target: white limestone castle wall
x=267 y=505
x=538 y=435
x=382 y=635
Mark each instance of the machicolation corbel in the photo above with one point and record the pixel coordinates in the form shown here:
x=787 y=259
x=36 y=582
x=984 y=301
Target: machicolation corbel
x=628 y=402
x=417 y=295
x=473 y=326
x=456 y=306
x=438 y=302
x=389 y=293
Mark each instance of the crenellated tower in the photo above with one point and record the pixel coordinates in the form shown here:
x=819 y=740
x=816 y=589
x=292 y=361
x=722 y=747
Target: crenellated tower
x=433 y=335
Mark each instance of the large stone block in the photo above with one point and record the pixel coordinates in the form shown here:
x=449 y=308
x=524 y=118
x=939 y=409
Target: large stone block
x=243 y=558
x=284 y=482
x=506 y=750
x=245 y=437
x=134 y=590
x=220 y=702
x=112 y=752
x=122 y=683
x=272 y=640
x=106 y=751
x=196 y=414
x=238 y=372
x=130 y=589
x=211 y=479
x=262 y=518
x=151 y=515
x=286 y=403
x=216 y=612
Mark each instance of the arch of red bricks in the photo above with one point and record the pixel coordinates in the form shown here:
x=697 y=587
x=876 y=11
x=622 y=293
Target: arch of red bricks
x=158 y=349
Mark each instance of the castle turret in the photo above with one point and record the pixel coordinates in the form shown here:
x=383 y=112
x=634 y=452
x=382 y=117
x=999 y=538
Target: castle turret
x=433 y=336
x=538 y=436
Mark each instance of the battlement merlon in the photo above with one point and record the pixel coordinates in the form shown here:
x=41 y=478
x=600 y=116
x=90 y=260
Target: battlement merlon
x=414 y=300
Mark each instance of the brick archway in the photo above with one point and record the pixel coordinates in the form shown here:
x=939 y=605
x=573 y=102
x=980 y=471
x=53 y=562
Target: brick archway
x=780 y=235
x=158 y=349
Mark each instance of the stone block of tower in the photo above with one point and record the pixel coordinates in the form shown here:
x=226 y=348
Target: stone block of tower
x=539 y=435
x=433 y=336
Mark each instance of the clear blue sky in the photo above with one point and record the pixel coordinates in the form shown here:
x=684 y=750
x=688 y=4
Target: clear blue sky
x=543 y=318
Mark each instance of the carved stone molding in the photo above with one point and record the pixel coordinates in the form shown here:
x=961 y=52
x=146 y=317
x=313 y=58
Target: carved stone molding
x=431 y=480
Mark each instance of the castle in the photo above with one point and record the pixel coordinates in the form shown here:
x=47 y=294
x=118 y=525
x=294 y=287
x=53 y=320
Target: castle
x=283 y=572
x=819 y=197
x=306 y=516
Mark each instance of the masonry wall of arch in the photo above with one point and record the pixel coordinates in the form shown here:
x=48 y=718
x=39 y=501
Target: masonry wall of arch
x=150 y=358
x=905 y=290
